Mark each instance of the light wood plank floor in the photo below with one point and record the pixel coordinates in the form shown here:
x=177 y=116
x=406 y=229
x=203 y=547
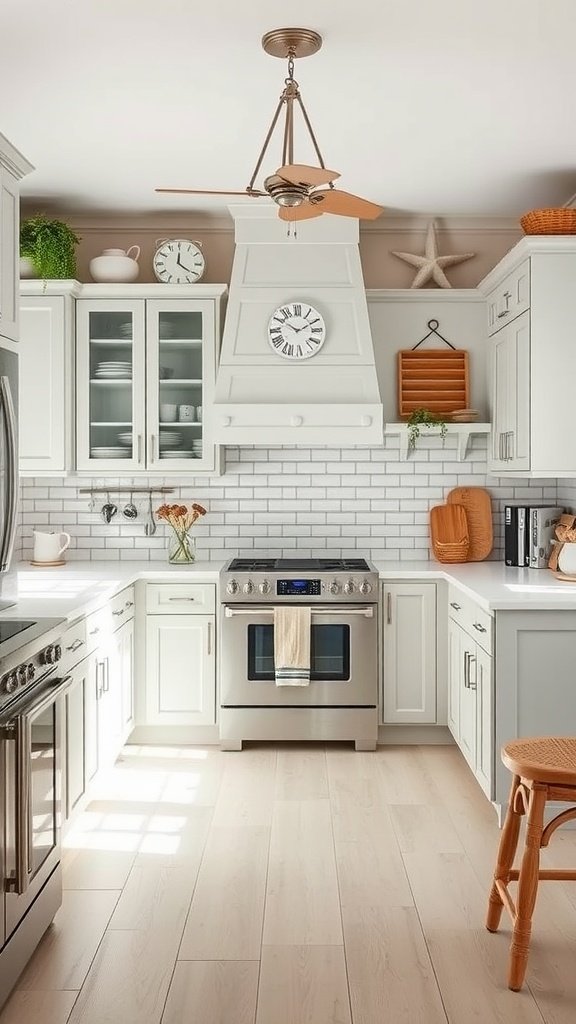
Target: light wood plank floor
x=292 y=884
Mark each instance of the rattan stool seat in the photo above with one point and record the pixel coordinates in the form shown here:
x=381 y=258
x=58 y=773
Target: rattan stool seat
x=543 y=758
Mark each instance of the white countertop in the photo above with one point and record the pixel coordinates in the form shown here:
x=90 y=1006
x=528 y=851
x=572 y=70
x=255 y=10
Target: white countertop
x=495 y=586
x=79 y=587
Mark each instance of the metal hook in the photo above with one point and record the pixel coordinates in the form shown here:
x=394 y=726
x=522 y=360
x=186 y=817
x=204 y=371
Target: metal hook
x=433 y=326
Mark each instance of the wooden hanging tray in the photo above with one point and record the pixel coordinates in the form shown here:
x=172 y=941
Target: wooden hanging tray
x=476 y=501
x=434 y=379
x=449 y=533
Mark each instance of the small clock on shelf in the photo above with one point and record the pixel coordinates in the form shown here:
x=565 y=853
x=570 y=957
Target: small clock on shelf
x=178 y=261
x=296 y=331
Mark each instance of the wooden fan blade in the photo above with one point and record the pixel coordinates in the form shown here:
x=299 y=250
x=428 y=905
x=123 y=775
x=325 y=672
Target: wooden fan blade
x=208 y=192
x=302 y=174
x=304 y=212
x=333 y=200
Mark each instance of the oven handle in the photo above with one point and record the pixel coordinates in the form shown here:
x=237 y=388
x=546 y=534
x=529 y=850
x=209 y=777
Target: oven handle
x=21 y=733
x=367 y=613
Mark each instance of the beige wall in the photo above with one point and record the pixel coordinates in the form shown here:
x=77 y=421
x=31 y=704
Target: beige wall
x=489 y=239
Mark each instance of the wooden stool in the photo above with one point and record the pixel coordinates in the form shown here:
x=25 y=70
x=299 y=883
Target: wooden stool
x=543 y=768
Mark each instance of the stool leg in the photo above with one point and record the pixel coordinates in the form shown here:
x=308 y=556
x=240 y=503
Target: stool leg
x=527 y=888
x=506 y=854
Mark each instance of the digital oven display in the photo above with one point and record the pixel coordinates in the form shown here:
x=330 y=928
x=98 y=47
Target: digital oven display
x=297 y=588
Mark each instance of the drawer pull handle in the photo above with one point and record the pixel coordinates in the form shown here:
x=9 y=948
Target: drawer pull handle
x=119 y=611
x=181 y=598
x=129 y=604
x=95 y=630
x=479 y=627
x=75 y=645
x=455 y=606
x=505 y=312
x=389 y=608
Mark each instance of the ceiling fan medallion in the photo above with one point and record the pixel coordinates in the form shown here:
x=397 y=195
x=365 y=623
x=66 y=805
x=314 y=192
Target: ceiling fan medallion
x=295 y=188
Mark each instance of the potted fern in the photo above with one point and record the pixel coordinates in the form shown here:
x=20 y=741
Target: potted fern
x=424 y=418
x=47 y=248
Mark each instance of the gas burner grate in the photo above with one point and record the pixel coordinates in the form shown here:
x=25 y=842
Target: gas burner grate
x=299 y=564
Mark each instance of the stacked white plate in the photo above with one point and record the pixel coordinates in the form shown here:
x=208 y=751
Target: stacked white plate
x=180 y=454
x=113 y=370
x=108 y=453
x=125 y=439
x=170 y=439
x=197 y=448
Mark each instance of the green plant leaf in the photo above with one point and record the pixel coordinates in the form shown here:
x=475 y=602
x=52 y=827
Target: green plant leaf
x=50 y=246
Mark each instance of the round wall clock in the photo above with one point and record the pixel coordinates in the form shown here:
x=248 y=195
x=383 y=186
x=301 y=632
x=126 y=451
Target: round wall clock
x=178 y=261
x=296 y=330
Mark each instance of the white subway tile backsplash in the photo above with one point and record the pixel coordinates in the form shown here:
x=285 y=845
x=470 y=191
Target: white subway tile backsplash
x=273 y=500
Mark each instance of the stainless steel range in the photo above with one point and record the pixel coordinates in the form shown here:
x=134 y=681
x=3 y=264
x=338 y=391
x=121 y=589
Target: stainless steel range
x=342 y=699
x=31 y=715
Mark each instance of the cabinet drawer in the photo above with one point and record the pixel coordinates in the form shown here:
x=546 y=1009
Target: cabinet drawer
x=122 y=607
x=474 y=620
x=479 y=625
x=106 y=620
x=510 y=298
x=74 y=646
x=180 y=598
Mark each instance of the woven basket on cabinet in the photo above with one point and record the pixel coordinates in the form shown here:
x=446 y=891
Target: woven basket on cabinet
x=551 y=221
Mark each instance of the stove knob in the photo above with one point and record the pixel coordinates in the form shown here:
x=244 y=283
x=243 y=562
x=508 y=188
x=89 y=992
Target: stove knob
x=57 y=652
x=49 y=655
x=30 y=672
x=22 y=673
x=334 y=587
x=265 y=587
x=349 y=587
x=365 y=587
x=232 y=587
x=10 y=682
x=248 y=587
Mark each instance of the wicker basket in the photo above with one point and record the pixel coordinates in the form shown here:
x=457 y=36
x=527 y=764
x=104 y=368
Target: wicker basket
x=552 y=221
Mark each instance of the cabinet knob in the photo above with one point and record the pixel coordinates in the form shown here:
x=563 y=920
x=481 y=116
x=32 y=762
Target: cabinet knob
x=455 y=606
x=296 y=421
x=366 y=421
x=479 y=627
x=226 y=421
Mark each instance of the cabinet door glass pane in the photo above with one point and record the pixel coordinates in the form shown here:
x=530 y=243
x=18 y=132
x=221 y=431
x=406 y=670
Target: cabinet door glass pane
x=180 y=384
x=111 y=388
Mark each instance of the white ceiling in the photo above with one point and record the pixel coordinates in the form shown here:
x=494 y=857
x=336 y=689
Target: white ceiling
x=435 y=106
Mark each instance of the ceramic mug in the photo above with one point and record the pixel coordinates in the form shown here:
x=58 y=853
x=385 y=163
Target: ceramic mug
x=168 y=413
x=186 y=413
x=49 y=547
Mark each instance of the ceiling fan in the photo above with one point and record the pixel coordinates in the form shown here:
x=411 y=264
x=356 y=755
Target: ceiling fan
x=295 y=188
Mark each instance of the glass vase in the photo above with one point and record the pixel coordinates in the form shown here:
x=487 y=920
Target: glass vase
x=181 y=548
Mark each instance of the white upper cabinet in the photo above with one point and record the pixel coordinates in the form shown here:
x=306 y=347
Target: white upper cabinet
x=13 y=166
x=146 y=368
x=46 y=382
x=531 y=316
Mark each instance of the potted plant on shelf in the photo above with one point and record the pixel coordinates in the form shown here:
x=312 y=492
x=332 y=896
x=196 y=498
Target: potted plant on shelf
x=47 y=248
x=424 y=418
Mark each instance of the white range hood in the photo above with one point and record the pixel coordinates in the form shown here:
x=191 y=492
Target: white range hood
x=263 y=398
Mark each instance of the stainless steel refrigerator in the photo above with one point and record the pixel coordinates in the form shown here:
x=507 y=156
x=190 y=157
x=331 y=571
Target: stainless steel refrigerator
x=8 y=473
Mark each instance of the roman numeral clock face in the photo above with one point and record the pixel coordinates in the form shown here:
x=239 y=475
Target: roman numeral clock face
x=296 y=331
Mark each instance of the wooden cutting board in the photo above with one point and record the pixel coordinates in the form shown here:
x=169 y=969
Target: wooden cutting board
x=476 y=501
x=434 y=379
x=449 y=533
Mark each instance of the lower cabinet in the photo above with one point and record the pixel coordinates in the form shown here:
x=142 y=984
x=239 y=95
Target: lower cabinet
x=99 y=712
x=180 y=670
x=409 y=653
x=470 y=699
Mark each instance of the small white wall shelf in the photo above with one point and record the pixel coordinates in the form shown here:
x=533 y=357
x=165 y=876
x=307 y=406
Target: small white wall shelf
x=463 y=432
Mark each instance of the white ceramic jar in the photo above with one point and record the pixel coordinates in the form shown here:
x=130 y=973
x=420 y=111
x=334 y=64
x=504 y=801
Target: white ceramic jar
x=115 y=265
x=567 y=559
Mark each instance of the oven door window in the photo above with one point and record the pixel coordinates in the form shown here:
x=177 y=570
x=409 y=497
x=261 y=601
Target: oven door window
x=329 y=652
x=43 y=804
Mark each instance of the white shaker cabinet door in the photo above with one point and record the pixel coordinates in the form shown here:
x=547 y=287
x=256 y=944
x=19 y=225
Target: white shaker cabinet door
x=43 y=376
x=9 y=247
x=482 y=676
x=409 y=653
x=455 y=634
x=180 y=670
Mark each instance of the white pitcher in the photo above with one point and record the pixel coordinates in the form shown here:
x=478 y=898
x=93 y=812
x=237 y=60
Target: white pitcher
x=49 y=547
x=115 y=265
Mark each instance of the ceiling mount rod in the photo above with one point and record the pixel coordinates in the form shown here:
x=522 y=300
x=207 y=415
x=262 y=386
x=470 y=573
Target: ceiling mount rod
x=125 y=490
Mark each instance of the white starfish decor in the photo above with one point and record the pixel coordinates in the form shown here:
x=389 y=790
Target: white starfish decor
x=431 y=265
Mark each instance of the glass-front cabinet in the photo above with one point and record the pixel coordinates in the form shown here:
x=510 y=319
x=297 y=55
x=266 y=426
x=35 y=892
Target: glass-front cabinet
x=145 y=374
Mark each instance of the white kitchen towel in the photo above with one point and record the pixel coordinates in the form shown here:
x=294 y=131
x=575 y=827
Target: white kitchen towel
x=292 y=645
